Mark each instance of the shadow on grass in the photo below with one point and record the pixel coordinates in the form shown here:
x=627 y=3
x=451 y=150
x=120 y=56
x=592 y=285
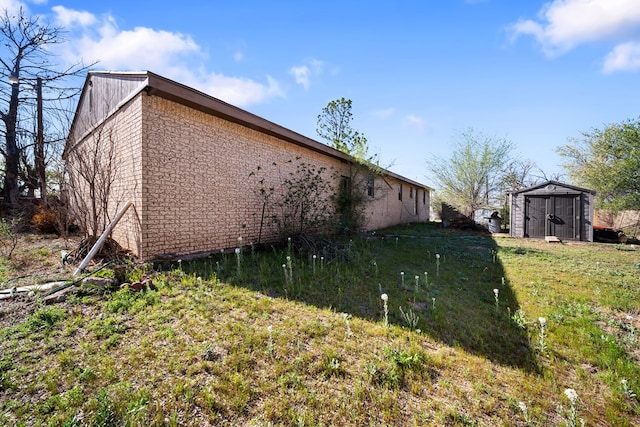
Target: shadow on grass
x=451 y=282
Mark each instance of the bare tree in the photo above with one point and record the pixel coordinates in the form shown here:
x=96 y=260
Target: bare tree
x=90 y=174
x=25 y=72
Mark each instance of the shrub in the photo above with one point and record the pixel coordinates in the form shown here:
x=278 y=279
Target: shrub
x=45 y=220
x=9 y=235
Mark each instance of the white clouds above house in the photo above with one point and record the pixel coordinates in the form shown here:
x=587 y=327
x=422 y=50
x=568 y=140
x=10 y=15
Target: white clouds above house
x=563 y=25
x=173 y=54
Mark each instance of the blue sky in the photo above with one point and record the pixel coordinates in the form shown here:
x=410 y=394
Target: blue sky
x=418 y=71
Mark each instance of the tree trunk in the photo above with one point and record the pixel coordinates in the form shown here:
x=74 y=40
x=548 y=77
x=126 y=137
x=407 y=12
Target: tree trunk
x=12 y=159
x=39 y=154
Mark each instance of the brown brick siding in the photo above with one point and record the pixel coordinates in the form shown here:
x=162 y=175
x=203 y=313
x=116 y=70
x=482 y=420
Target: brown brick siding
x=187 y=173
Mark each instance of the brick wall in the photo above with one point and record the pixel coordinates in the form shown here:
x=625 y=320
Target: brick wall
x=189 y=177
x=119 y=141
x=386 y=208
x=197 y=193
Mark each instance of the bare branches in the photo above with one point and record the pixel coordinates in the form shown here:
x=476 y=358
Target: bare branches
x=31 y=86
x=91 y=172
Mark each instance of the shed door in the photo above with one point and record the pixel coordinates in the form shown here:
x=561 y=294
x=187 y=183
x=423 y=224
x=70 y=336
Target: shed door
x=552 y=216
x=535 y=213
x=563 y=219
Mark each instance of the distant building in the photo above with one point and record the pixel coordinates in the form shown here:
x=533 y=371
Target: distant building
x=552 y=210
x=184 y=158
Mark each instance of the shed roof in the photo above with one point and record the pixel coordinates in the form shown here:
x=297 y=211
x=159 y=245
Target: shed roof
x=554 y=183
x=154 y=84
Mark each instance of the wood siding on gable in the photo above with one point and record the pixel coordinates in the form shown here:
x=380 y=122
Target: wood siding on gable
x=102 y=94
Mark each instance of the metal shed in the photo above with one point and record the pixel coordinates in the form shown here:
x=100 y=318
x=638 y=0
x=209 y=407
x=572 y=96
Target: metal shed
x=552 y=210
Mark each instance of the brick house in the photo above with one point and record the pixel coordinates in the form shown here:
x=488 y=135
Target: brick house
x=184 y=159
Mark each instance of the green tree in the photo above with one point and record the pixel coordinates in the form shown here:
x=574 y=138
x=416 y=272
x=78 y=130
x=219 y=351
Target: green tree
x=608 y=161
x=334 y=125
x=473 y=177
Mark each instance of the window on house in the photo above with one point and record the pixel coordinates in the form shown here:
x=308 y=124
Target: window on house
x=370 y=185
x=345 y=185
x=424 y=197
x=400 y=192
x=411 y=192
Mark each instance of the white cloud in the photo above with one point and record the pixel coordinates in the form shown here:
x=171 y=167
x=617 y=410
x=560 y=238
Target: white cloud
x=70 y=18
x=11 y=6
x=415 y=121
x=235 y=90
x=624 y=57
x=384 y=113
x=565 y=24
x=173 y=55
x=301 y=74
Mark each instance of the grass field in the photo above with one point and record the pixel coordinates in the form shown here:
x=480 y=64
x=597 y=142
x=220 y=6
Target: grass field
x=475 y=330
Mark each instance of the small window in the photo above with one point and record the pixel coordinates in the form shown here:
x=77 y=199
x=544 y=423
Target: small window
x=345 y=185
x=411 y=192
x=370 y=185
x=400 y=192
x=424 y=197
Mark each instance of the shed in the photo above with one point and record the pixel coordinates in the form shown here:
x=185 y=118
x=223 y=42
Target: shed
x=552 y=210
x=185 y=160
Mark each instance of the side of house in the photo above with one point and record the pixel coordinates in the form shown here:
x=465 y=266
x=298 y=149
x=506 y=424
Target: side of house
x=188 y=163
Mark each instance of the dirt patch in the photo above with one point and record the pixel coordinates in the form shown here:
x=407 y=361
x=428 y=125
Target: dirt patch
x=15 y=310
x=37 y=259
x=626 y=328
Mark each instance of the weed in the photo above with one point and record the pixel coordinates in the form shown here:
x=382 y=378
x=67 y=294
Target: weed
x=572 y=414
x=403 y=360
x=332 y=365
x=105 y=415
x=5 y=366
x=519 y=318
x=410 y=318
x=626 y=389
x=385 y=300
x=129 y=301
x=525 y=412
x=542 y=343
x=270 y=343
x=346 y=317
x=45 y=318
x=238 y=252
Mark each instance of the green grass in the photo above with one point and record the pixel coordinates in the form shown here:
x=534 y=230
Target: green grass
x=257 y=344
